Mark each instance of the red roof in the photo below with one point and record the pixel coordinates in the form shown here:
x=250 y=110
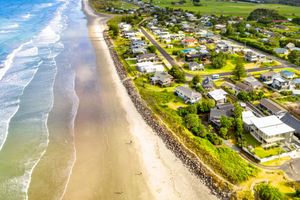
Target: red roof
x=192 y=40
x=281 y=21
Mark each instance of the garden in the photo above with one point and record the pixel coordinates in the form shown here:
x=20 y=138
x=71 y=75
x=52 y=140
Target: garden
x=259 y=150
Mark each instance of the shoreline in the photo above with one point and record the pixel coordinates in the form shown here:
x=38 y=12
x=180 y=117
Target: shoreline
x=164 y=174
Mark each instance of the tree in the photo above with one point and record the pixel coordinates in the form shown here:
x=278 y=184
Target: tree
x=229 y=30
x=272 y=42
x=192 y=120
x=115 y=29
x=226 y=123
x=223 y=132
x=196 y=79
x=296 y=20
x=242 y=95
x=151 y=49
x=209 y=128
x=238 y=110
x=191 y=109
x=239 y=127
x=176 y=29
x=294 y=55
x=177 y=74
x=239 y=70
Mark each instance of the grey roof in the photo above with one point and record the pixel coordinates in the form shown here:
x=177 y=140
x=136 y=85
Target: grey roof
x=215 y=114
x=162 y=75
x=270 y=73
x=253 y=81
x=244 y=87
x=149 y=55
x=270 y=105
x=225 y=106
x=229 y=85
x=208 y=82
x=193 y=64
x=280 y=50
x=188 y=92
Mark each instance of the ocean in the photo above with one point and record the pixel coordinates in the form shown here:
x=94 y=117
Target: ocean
x=39 y=44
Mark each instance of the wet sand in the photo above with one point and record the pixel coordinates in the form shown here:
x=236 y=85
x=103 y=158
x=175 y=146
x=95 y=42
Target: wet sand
x=106 y=122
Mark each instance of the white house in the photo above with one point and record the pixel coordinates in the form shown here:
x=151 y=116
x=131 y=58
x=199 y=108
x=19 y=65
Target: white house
x=270 y=130
x=218 y=95
x=194 y=66
x=187 y=94
x=148 y=67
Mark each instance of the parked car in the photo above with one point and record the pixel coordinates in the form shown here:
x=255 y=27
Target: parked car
x=296 y=146
x=215 y=76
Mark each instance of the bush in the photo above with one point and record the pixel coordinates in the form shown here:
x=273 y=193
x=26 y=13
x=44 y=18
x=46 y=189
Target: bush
x=268 y=192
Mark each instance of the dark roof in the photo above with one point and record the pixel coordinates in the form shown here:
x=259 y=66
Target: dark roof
x=244 y=87
x=225 y=106
x=270 y=73
x=270 y=105
x=215 y=114
x=229 y=85
x=208 y=82
x=149 y=55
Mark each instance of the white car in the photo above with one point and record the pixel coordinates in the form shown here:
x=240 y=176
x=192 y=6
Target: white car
x=296 y=146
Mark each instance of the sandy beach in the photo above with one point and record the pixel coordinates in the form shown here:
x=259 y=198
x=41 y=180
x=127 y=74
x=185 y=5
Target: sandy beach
x=106 y=163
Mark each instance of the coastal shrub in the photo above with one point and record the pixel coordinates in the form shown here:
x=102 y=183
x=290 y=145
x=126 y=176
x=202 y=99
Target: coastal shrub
x=268 y=192
x=222 y=160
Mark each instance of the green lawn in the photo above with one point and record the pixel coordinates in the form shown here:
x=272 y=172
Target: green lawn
x=171 y=104
x=127 y=5
x=241 y=8
x=131 y=62
x=259 y=151
x=251 y=140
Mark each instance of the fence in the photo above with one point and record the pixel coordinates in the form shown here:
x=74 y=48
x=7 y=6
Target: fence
x=269 y=158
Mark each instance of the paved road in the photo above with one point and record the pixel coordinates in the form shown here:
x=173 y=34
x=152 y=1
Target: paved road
x=162 y=51
x=171 y=60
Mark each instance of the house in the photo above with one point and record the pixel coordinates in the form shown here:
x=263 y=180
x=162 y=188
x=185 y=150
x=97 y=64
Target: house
x=295 y=48
x=290 y=46
x=280 y=84
x=164 y=37
x=229 y=85
x=247 y=116
x=162 y=78
x=272 y=107
x=214 y=40
x=202 y=40
x=189 y=29
x=201 y=32
x=191 y=57
x=281 y=51
x=202 y=47
x=189 y=42
x=246 y=51
x=287 y=74
x=296 y=81
x=270 y=130
x=190 y=51
x=218 y=95
x=187 y=94
x=243 y=87
x=194 y=66
x=219 y=26
x=222 y=109
x=208 y=84
x=253 y=82
x=141 y=43
x=138 y=50
x=134 y=38
x=150 y=57
x=295 y=93
x=281 y=27
x=253 y=57
x=281 y=21
x=177 y=36
x=269 y=76
x=247 y=26
x=148 y=67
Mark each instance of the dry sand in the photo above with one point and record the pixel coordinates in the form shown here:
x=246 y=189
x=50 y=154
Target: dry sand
x=106 y=122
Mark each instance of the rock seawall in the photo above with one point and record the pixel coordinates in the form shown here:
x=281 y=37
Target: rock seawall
x=200 y=171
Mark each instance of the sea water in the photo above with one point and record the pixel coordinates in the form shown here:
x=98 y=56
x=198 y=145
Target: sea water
x=38 y=103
